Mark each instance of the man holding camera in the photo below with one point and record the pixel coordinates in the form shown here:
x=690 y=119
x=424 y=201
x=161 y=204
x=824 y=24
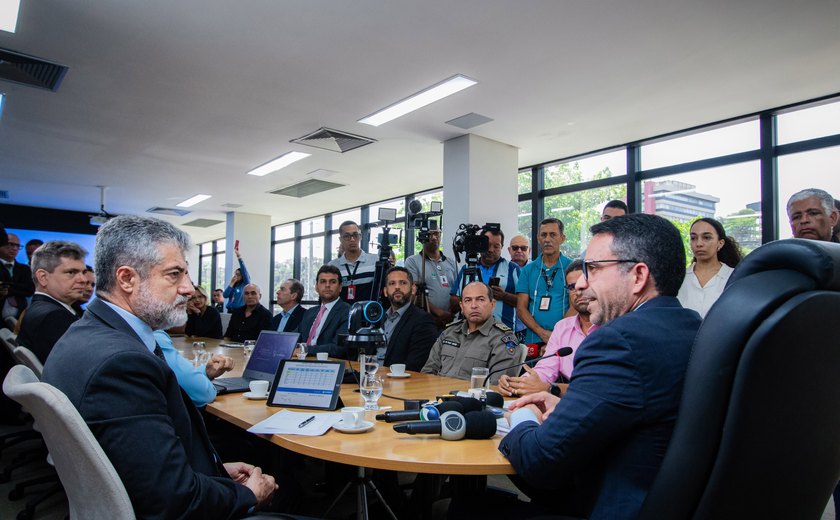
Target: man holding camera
x=433 y=286
x=500 y=274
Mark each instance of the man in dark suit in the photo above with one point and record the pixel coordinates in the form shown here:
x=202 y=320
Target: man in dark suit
x=113 y=372
x=289 y=295
x=599 y=448
x=409 y=329
x=321 y=325
x=15 y=277
x=59 y=269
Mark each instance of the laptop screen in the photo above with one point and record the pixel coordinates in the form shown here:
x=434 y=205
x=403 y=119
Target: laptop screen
x=271 y=348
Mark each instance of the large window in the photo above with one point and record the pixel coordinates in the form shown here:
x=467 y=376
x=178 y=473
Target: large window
x=816 y=169
x=211 y=262
x=727 y=140
x=578 y=211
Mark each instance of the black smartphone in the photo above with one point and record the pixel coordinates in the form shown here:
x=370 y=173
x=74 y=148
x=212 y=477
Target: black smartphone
x=493 y=281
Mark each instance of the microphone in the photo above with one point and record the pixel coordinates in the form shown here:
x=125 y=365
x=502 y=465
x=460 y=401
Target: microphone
x=426 y=413
x=453 y=426
x=561 y=352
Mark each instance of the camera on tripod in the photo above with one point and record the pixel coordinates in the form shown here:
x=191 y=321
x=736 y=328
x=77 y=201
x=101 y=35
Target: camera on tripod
x=422 y=221
x=472 y=240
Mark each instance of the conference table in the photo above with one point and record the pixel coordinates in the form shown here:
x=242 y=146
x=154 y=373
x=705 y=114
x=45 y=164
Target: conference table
x=380 y=448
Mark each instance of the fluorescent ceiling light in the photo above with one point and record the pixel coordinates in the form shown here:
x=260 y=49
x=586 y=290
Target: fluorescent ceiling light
x=2 y=100
x=192 y=201
x=279 y=163
x=425 y=97
x=9 y=15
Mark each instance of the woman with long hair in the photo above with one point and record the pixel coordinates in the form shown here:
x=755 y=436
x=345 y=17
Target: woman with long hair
x=715 y=257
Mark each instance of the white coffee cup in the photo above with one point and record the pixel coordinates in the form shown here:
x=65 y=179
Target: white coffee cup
x=258 y=387
x=322 y=356
x=352 y=416
x=398 y=369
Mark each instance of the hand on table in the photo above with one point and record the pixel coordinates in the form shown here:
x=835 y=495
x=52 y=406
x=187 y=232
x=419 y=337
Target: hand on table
x=518 y=386
x=542 y=404
x=218 y=365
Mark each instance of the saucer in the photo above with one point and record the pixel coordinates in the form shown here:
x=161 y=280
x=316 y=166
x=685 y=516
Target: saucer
x=398 y=376
x=255 y=397
x=363 y=427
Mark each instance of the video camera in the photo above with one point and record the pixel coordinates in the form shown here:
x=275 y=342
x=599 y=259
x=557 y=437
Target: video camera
x=422 y=221
x=472 y=240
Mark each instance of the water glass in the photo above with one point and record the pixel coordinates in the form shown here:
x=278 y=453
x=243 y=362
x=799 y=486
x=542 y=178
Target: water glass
x=302 y=349
x=248 y=347
x=368 y=364
x=371 y=390
x=477 y=381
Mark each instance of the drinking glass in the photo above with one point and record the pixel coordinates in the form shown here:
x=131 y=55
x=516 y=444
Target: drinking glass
x=302 y=350
x=368 y=364
x=248 y=347
x=477 y=380
x=200 y=356
x=371 y=390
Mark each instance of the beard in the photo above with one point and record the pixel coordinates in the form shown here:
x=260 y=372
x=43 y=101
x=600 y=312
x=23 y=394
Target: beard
x=608 y=308
x=398 y=300
x=159 y=314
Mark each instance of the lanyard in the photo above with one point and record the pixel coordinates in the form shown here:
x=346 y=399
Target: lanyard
x=549 y=282
x=351 y=277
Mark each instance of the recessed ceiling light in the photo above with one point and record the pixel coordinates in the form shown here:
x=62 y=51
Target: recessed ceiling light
x=192 y=201
x=9 y=15
x=425 y=97
x=278 y=163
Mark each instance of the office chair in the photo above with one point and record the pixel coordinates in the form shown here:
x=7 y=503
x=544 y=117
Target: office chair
x=26 y=357
x=758 y=430
x=94 y=490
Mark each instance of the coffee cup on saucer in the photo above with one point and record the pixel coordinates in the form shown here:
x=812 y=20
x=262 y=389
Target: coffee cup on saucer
x=398 y=369
x=322 y=356
x=258 y=387
x=352 y=416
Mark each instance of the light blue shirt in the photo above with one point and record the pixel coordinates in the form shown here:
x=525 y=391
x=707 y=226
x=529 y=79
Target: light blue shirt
x=285 y=318
x=192 y=379
x=522 y=415
x=140 y=327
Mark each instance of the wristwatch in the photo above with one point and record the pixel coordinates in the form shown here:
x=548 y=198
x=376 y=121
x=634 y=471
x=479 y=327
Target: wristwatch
x=554 y=388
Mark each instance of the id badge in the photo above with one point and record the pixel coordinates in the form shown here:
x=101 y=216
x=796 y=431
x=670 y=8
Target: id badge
x=545 y=303
x=351 y=292
x=443 y=281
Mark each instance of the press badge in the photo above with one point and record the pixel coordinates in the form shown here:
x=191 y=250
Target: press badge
x=545 y=303
x=443 y=281
x=351 y=292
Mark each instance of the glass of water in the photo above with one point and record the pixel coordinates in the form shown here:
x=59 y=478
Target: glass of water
x=199 y=353
x=302 y=349
x=371 y=389
x=248 y=347
x=368 y=364
x=477 y=381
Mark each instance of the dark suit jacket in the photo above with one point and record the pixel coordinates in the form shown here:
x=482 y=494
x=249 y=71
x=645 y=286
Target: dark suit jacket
x=147 y=426
x=44 y=323
x=327 y=340
x=608 y=434
x=208 y=325
x=412 y=339
x=292 y=324
x=20 y=283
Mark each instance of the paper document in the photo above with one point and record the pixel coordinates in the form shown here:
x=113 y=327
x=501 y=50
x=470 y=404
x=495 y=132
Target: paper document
x=286 y=422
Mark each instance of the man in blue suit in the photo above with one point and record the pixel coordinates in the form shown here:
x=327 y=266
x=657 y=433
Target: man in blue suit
x=322 y=324
x=601 y=446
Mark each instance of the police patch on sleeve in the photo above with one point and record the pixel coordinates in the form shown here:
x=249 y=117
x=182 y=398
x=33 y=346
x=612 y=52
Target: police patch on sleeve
x=510 y=343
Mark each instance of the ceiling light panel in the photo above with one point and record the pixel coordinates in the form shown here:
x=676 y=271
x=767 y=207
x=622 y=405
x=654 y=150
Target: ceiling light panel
x=425 y=97
x=9 y=15
x=278 y=163
x=192 y=201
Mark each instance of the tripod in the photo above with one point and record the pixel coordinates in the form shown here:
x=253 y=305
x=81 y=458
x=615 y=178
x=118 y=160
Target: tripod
x=362 y=482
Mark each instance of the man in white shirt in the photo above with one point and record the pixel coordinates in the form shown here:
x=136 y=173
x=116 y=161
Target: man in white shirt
x=59 y=274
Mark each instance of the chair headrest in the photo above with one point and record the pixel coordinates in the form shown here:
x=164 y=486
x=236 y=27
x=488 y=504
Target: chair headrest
x=814 y=258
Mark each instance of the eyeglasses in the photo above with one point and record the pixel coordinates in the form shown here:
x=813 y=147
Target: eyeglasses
x=519 y=248
x=351 y=236
x=570 y=287
x=13 y=244
x=588 y=264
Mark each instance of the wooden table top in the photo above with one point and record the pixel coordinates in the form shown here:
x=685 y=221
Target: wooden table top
x=380 y=448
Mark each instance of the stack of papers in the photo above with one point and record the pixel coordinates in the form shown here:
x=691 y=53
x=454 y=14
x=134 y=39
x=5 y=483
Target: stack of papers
x=286 y=422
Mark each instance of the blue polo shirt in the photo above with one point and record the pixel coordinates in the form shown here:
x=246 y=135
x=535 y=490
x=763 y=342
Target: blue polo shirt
x=532 y=281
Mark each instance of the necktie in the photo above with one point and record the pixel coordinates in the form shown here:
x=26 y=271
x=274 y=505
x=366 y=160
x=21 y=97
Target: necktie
x=159 y=352
x=10 y=267
x=314 y=330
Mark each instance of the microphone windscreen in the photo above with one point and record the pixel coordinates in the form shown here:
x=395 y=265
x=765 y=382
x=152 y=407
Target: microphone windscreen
x=495 y=399
x=450 y=406
x=565 y=351
x=480 y=425
x=470 y=404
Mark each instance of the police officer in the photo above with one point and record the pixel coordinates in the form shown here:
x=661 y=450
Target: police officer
x=479 y=340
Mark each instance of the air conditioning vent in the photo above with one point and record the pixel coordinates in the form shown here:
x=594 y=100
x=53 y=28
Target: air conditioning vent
x=172 y=212
x=307 y=188
x=202 y=222
x=468 y=121
x=29 y=70
x=333 y=140
x=4 y=194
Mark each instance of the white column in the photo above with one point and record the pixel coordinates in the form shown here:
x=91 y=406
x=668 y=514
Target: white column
x=254 y=235
x=479 y=185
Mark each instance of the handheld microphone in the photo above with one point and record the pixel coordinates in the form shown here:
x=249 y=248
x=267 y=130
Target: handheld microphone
x=561 y=352
x=453 y=426
x=426 y=413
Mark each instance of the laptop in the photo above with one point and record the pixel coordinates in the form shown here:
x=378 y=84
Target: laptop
x=271 y=348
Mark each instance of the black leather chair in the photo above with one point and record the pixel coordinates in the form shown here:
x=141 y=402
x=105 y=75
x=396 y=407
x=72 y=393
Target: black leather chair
x=758 y=431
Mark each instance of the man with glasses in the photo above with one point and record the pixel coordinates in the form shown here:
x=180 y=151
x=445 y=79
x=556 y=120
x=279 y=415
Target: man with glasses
x=553 y=374
x=16 y=279
x=600 y=447
x=433 y=289
x=356 y=266
x=542 y=299
x=519 y=250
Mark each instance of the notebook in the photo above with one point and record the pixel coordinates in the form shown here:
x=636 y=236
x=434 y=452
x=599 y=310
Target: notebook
x=271 y=348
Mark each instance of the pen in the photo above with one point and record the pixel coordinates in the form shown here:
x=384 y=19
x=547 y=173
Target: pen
x=304 y=423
